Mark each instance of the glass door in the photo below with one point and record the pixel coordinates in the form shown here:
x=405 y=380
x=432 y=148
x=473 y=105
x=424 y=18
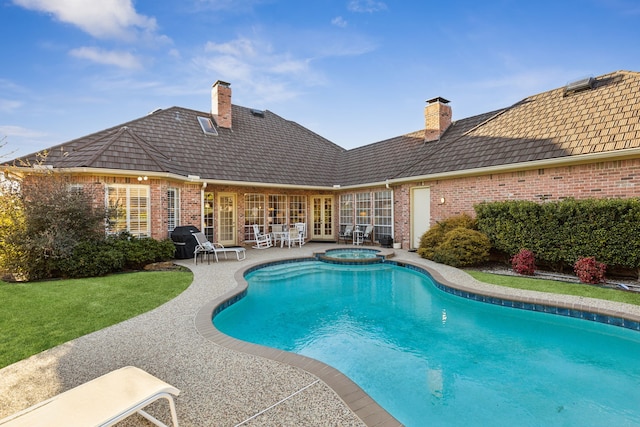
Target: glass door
x=227 y=234
x=322 y=227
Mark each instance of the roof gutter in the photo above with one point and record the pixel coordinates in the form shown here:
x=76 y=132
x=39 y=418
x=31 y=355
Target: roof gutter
x=166 y=175
x=534 y=164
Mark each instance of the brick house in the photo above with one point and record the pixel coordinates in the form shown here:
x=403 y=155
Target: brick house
x=233 y=167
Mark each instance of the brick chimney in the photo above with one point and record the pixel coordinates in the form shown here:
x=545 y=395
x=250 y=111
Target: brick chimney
x=437 y=118
x=221 y=103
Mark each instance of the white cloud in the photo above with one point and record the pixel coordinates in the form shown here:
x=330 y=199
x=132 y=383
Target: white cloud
x=103 y=19
x=8 y=105
x=238 y=47
x=339 y=21
x=366 y=6
x=101 y=56
x=21 y=132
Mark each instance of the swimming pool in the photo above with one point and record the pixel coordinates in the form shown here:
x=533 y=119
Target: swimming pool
x=430 y=357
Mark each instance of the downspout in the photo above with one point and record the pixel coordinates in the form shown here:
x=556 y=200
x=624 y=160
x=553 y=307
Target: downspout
x=204 y=186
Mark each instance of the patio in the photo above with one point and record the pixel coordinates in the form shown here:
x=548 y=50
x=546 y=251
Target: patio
x=219 y=386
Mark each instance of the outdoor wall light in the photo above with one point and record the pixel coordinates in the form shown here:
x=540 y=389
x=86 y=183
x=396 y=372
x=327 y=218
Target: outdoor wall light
x=442 y=200
x=142 y=178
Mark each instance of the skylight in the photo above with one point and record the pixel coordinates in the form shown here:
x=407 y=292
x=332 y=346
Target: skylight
x=207 y=126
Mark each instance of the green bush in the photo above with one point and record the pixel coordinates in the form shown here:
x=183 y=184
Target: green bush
x=433 y=237
x=560 y=233
x=115 y=254
x=463 y=247
x=92 y=259
x=455 y=242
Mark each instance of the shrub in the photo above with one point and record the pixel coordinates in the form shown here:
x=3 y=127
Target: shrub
x=589 y=270
x=560 y=232
x=524 y=262
x=433 y=237
x=463 y=247
x=114 y=254
x=91 y=259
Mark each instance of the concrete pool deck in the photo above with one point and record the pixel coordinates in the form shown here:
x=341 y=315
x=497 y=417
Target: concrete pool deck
x=223 y=386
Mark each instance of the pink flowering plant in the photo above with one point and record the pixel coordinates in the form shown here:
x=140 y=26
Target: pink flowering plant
x=524 y=262
x=589 y=270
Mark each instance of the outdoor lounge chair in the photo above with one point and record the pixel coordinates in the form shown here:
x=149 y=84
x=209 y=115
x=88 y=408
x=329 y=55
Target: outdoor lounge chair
x=103 y=401
x=263 y=241
x=346 y=234
x=205 y=247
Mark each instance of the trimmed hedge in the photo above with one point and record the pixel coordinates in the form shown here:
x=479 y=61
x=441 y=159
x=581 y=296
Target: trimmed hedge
x=560 y=233
x=114 y=254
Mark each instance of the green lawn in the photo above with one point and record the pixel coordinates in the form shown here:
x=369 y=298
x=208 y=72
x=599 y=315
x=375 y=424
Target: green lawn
x=40 y=315
x=556 y=287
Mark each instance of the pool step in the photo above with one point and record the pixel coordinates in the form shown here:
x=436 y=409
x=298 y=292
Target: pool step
x=285 y=271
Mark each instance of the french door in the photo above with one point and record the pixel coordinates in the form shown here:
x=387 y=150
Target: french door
x=322 y=227
x=227 y=231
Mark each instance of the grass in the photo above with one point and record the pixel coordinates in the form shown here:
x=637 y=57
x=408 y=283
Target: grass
x=39 y=315
x=557 y=287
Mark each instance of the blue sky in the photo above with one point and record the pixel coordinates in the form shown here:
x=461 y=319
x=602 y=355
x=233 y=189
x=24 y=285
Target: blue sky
x=353 y=71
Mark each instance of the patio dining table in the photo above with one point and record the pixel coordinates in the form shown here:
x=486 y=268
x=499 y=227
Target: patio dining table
x=279 y=235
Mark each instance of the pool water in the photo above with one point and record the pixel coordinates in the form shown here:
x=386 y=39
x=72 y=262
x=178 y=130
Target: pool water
x=431 y=358
x=351 y=254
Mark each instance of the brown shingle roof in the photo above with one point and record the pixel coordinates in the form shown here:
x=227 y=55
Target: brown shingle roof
x=259 y=148
x=549 y=125
x=266 y=148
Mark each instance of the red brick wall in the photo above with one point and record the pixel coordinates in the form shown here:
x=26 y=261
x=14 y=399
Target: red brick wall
x=612 y=179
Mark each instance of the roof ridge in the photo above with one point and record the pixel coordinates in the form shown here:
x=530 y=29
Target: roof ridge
x=111 y=139
x=144 y=143
x=145 y=146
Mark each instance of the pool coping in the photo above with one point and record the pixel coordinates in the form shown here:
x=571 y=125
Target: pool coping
x=365 y=407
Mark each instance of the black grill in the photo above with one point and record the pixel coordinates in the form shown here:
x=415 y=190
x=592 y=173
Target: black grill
x=184 y=241
x=386 y=241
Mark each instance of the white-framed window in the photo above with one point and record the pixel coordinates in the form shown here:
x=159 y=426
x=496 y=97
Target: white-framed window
x=128 y=207
x=254 y=205
x=383 y=213
x=297 y=209
x=173 y=208
x=368 y=208
x=208 y=221
x=277 y=209
x=363 y=209
x=346 y=211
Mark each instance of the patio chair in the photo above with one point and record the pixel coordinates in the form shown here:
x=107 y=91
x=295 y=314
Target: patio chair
x=205 y=247
x=294 y=236
x=277 y=233
x=302 y=228
x=263 y=241
x=346 y=234
x=367 y=235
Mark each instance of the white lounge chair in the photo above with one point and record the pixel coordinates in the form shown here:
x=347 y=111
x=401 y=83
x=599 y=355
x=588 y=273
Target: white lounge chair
x=103 y=401
x=263 y=241
x=206 y=247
